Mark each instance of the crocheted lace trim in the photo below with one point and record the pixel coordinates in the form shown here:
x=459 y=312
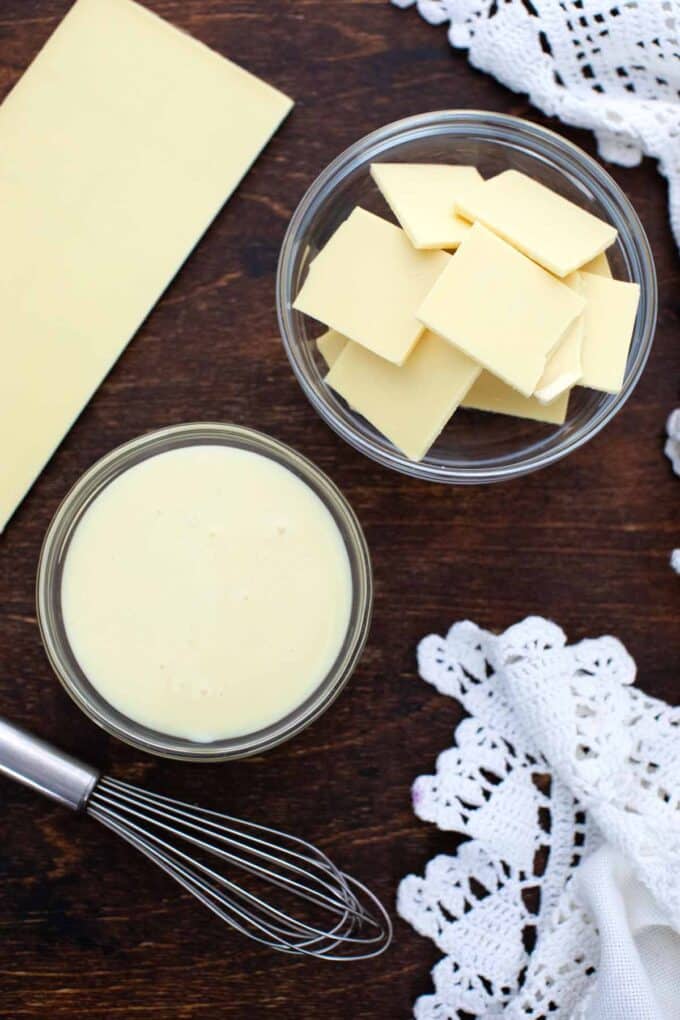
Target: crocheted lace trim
x=559 y=752
x=611 y=67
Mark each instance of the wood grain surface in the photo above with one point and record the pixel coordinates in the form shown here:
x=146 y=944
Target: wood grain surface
x=87 y=928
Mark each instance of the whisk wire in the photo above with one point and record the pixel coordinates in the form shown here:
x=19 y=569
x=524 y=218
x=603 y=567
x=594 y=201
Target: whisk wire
x=239 y=824
x=346 y=904
x=314 y=858
x=230 y=912
x=155 y=844
x=198 y=888
x=204 y=816
x=148 y=820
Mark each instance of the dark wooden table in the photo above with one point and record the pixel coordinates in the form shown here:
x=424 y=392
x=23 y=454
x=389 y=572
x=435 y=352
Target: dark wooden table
x=87 y=928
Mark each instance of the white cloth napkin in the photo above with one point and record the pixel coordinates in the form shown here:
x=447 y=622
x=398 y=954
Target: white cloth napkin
x=638 y=975
x=564 y=900
x=611 y=67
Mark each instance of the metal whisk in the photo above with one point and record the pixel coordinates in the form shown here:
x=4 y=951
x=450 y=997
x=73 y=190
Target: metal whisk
x=320 y=911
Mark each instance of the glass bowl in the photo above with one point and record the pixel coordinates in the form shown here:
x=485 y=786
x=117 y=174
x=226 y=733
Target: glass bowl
x=474 y=447
x=55 y=548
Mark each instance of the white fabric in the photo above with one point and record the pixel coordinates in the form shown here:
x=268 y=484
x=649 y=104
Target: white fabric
x=613 y=67
x=559 y=757
x=638 y=973
x=672 y=451
x=672 y=447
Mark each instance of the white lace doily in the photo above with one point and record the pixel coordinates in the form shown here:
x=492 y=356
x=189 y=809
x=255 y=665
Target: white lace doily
x=558 y=755
x=613 y=67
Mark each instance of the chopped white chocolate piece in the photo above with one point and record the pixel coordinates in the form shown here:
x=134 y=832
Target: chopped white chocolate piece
x=367 y=283
x=563 y=368
x=500 y=308
x=409 y=404
x=491 y=394
x=119 y=146
x=599 y=265
x=423 y=198
x=331 y=345
x=609 y=319
x=550 y=229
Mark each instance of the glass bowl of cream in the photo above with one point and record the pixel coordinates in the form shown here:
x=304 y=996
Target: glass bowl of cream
x=475 y=447
x=204 y=592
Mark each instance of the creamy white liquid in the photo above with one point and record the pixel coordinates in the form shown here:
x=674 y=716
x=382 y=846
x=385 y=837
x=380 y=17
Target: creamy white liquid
x=206 y=592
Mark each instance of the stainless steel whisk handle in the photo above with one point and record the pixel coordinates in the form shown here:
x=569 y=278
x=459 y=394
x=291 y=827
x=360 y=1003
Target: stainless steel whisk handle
x=43 y=768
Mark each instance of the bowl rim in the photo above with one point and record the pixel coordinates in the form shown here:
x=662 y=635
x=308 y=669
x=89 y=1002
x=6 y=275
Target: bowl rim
x=65 y=522
x=636 y=249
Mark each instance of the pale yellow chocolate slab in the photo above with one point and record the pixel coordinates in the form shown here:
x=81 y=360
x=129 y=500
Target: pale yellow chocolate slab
x=330 y=345
x=367 y=283
x=563 y=368
x=609 y=319
x=491 y=394
x=599 y=265
x=410 y=404
x=550 y=229
x=423 y=197
x=500 y=308
x=119 y=145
